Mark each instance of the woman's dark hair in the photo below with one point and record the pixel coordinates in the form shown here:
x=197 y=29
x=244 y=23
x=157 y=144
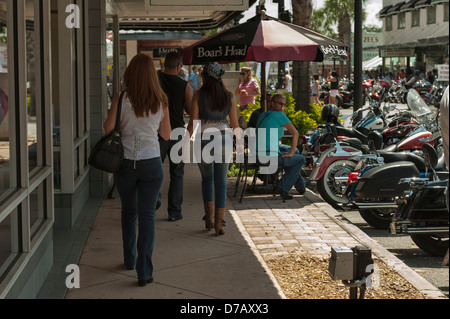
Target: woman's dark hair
x=219 y=97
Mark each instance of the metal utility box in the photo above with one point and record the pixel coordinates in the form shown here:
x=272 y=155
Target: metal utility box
x=341 y=263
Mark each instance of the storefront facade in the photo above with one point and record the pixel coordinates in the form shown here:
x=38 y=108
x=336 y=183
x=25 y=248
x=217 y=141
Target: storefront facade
x=415 y=34
x=53 y=100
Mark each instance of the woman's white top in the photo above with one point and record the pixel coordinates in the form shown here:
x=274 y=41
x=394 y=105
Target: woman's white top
x=140 y=135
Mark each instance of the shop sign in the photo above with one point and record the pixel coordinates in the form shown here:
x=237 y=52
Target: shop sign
x=161 y=53
x=442 y=72
x=397 y=52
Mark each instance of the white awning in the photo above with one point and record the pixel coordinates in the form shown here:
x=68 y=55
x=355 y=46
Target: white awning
x=372 y=63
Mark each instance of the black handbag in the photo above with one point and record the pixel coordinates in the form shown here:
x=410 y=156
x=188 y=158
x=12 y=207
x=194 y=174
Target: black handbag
x=107 y=154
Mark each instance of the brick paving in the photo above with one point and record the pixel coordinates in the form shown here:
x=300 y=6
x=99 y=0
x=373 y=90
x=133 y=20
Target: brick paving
x=277 y=228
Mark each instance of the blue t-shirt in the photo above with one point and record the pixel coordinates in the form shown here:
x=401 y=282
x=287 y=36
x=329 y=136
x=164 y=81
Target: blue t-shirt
x=268 y=122
x=193 y=78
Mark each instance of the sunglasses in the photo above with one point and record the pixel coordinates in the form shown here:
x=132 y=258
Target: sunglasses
x=243 y=73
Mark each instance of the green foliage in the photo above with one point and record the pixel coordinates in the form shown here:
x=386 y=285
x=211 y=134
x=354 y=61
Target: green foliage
x=250 y=109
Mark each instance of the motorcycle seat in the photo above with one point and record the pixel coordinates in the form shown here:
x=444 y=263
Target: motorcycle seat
x=390 y=148
x=353 y=142
x=391 y=157
x=350 y=132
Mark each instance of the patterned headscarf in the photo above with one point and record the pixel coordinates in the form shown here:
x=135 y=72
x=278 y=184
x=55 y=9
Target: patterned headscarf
x=214 y=70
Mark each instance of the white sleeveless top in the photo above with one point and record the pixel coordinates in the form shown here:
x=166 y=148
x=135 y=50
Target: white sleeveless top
x=140 y=135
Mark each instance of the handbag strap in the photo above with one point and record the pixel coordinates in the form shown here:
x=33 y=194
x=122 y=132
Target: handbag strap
x=119 y=112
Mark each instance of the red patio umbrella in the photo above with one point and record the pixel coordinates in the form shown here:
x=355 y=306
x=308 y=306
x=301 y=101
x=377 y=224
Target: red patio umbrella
x=264 y=39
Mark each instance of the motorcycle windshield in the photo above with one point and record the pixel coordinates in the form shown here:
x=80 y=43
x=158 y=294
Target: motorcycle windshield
x=417 y=104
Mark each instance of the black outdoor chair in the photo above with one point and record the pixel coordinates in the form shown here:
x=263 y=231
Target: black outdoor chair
x=247 y=166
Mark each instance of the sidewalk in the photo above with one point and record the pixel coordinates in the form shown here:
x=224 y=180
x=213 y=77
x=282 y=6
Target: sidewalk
x=192 y=263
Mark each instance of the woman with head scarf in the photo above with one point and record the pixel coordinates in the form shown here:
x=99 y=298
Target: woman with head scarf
x=211 y=105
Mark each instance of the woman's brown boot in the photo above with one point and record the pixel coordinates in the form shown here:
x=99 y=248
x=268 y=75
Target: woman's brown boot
x=219 y=223
x=209 y=215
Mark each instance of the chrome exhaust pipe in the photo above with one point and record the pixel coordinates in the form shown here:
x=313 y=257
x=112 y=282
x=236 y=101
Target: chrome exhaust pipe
x=376 y=205
x=426 y=230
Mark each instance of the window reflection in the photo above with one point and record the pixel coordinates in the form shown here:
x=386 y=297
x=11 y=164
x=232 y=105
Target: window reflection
x=4 y=106
x=5 y=241
x=31 y=85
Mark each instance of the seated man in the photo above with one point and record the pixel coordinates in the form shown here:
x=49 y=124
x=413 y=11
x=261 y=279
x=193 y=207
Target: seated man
x=288 y=157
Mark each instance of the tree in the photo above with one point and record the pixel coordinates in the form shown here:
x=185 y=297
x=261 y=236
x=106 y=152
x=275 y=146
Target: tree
x=302 y=16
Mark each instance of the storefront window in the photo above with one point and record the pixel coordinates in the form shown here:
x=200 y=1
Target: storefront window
x=37 y=208
x=415 y=18
x=5 y=167
x=32 y=105
x=110 y=62
x=445 y=11
x=5 y=241
x=431 y=15
x=389 y=23
x=401 y=20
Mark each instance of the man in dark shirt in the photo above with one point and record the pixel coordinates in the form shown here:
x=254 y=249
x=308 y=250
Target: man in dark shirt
x=180 y=97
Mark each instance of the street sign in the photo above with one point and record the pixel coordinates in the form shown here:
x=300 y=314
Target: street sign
x=442 y=72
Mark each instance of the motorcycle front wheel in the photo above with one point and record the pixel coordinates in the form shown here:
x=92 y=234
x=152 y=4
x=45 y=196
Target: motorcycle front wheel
x=333 y=183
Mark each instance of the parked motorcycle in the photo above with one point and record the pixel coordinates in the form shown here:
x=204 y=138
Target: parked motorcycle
x=332 y=168
x=327 y=163
x=422 y=211
x=422 y=87
x=435 y=95
x=373 y=186
x=397 y=92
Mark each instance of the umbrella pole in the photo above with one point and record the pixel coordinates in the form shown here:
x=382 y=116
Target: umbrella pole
x=263 y=86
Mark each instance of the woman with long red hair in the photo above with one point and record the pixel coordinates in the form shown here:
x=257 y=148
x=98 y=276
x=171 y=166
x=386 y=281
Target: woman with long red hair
x=144 y=115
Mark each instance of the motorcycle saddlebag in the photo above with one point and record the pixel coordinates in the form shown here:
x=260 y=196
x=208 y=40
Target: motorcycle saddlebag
x=382 y=181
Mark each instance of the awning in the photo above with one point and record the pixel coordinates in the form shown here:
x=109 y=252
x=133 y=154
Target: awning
x=372 y=63
x=383 y=11
x=408 y=6
x=436 y=34
x=395 y=8
x=400 y=40
x=422 y=3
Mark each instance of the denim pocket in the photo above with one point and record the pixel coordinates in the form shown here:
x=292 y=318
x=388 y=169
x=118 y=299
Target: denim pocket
x=152 y=169
x=126 y=168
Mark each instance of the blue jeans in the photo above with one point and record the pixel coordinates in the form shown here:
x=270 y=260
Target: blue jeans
x=139 y=184
x=175 y=196
x=292 y=172
x=214 y=179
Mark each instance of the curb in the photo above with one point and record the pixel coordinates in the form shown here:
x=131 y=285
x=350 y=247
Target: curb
x=420 y=283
